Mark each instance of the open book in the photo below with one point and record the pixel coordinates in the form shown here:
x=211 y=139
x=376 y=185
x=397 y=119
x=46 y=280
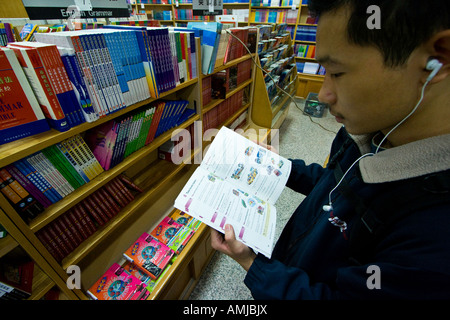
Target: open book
x=237 y=183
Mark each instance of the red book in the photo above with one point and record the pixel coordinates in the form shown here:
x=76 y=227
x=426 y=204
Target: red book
x=110 y=200
x=102 y=204
x=91 y=212
x=127 y=194
x=68 y=232
x=85 y=218
x=50 y=245
x=24 y=117
x=57 y=240
x=130 y=183
x=155 y=122
x=76 y=222
x=71 y=226
x=63 y=236
x=116 y=194
x=97 y=209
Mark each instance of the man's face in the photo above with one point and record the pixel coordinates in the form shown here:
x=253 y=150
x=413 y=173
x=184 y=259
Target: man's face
x=364 y=94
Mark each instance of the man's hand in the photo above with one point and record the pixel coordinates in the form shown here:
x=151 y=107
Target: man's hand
x=232 y=247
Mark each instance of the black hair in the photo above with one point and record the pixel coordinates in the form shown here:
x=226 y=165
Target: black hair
x=405 y=24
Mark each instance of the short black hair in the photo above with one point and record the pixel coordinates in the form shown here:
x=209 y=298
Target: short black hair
x=405 y=24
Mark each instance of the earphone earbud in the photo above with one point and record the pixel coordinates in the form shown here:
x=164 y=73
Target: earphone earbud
x=327 y=208
x=434 y=66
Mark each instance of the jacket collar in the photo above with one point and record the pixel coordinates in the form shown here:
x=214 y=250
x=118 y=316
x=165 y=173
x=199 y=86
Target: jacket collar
x=411 y=160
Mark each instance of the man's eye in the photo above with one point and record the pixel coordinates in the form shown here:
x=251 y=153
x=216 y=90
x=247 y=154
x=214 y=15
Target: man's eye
x=337 y=75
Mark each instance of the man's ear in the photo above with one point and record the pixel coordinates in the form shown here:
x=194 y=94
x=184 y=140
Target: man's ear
x=438 y=47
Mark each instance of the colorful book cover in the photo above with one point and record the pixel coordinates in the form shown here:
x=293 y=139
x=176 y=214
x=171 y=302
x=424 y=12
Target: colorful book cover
x=165 y=230
x=181 y=217
x=149 y=254
x=20 y=113
x=116 y=284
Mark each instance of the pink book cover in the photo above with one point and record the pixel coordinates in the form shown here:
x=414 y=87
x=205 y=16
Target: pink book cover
x=115 y=284
x=149 y=254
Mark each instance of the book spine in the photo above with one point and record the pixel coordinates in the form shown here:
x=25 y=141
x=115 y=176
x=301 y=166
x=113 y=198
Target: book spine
x=36 y=176
x=104 y=204
x=89 y=69
x=88 y=78
x=99 y=72
x=29 y=202
x=63 y=235
x=84 y=218
x=58 y=240
x=115 y=207
x=93 y=212
x=116 y=195
x=77 y=224
x=30 y=187
x=96 y=209
x=71 y=226
x=50 y=244
x=127 y=194
x=65 y=152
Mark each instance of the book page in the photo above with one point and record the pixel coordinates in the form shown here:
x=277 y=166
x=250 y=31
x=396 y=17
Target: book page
x=217 y=202
x=245 y=164
x=237 y=183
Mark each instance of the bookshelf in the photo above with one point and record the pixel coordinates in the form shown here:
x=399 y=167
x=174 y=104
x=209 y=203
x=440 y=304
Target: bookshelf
x=161 y=181
x=270 y=105
x=306 y=82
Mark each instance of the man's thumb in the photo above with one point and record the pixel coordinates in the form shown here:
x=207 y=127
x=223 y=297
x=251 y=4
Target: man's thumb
x=229 y=233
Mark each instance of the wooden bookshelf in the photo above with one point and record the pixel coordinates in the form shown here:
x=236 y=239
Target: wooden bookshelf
x=161 y=181
x=306 y=82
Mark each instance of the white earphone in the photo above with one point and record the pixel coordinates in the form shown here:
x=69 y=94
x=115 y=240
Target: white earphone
x=434 y=66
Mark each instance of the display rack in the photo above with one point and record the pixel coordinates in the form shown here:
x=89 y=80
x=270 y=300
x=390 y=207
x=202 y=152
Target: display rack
x=161 y=181
x=306 y=82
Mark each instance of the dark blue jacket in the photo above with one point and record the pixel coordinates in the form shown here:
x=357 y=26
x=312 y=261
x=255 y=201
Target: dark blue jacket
x=311 y=260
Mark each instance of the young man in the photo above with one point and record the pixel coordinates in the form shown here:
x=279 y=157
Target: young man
x=374 y=223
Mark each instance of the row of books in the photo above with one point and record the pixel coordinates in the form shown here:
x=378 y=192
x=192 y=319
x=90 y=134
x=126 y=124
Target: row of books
x=115 y=140
x=217 y=116
x=146 y=260
x=305 y=51
x=275 y=3
x=310 y=68
x=306 y=33
x=188 y=14
x=141 y=23
x=63 y=235
x=161 y=15
x=274 y=16
x=47 y=176
x=8 y=33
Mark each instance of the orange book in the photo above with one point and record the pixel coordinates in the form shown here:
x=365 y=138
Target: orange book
x=20 y=113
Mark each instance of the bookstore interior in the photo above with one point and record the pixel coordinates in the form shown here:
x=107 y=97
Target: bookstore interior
x=107 y=158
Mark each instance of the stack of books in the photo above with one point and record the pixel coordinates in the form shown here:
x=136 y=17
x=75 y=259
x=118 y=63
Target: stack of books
x=63 y=235
x=146 y=260
x=50 y=175
x=115 y=140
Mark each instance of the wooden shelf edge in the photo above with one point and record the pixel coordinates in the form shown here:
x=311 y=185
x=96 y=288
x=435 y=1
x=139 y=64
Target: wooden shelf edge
x=19 y=149
x=87 y=189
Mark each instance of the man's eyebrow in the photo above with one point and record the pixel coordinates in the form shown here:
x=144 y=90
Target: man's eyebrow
x=328 y=60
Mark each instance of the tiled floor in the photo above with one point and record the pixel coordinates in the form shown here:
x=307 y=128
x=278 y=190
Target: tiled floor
x=299 y=138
